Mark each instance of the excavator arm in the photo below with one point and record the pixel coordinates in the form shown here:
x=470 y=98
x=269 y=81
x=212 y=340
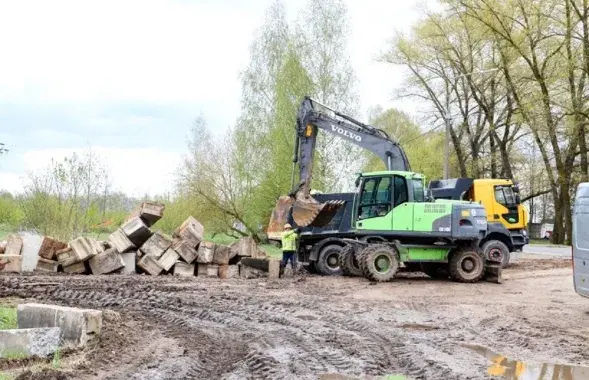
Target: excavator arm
x=306 y=210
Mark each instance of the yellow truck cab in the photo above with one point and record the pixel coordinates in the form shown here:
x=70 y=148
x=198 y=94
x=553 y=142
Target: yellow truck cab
x=580 y=240
x=507 y=218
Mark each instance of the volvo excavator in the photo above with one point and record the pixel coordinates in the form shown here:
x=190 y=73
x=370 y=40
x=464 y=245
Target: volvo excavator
x=388 y=223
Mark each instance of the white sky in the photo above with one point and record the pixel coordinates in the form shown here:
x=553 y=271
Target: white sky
x=128 y=77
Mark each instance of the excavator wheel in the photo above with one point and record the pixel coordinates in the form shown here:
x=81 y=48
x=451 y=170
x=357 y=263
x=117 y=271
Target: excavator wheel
x=348 y=262
x=466 y=265
x=328 y=261
x=379 y=262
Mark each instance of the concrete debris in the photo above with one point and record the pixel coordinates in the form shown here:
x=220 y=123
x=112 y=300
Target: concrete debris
x=228 y=271
x=83 y=248
x=156 y=245
x=149 y=212
x=66 y=257
x=106 y=262
x=77 y=268
x=137 y=231
x=168 y=259
x=3 y=244
x=183 y=269
x=129 y=258
x=150 y=265
x=221 y=255
x=77 y=326
x=41 y=341
x=10 y=263
x=49 y=248
x=13 y=245
x=273 y=269
x=44 y=265
x=31 y=244
x=245 y=247
x=250 y=272
x=192 y=231
x=120 y=241
x=206 y=252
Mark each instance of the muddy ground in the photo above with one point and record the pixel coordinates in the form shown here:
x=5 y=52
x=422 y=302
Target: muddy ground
x=300 y=328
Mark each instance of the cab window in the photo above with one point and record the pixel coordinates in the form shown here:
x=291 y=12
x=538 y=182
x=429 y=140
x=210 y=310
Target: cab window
x=375 y=198
x=505 y=195
x=401 y=194
x=418 y=191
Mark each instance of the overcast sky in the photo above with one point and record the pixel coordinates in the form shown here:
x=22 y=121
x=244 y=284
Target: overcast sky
x=128 y=77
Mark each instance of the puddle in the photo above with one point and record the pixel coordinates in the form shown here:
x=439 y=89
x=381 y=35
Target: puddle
x=506 y=368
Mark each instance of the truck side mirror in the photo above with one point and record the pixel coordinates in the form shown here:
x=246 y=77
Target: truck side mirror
x=518 y=199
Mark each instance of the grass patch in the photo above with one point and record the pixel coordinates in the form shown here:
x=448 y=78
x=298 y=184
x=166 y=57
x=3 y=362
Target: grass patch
x=221 y=239
x=6 y=376
x=8 y=318
x=14 y=355
x=272 y=251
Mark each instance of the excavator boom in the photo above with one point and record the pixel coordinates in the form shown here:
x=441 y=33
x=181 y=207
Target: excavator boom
x=307 y=211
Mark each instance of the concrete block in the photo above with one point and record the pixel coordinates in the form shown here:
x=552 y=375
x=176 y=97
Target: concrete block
x=66 y=257
x=42 y=341
x=206 y=252
x=150 y=265
x=168 y=259
x=260 y=264
x=149 y=212
x=156 y=245
x=228 y=271
x=274 y=269
x=192 y=231
x=77 y=268
x=186 y=252
x=244 y=247
x=106 y=262
x=77 y=326
x=136 y=231
x=31 y=243
x=13 y=245
x=44 y=265
x=49 y=247
x=208 y=270
x=83 y=248
x=250 y=272
x=129 y=258
x=183 y=269
x=221 y=255
x=10 y=263
x=120 y=241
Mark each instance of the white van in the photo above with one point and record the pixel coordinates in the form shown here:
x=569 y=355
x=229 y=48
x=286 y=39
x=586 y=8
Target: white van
x=581 y=240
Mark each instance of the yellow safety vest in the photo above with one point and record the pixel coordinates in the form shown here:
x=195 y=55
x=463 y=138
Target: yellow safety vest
x=289 y=241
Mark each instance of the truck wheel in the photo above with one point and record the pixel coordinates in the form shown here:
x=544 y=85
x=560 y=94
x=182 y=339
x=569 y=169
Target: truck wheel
x=435 y=270
x=466 y=265
x=494 y=247
x=379 y=262
x=328 y=260
x=348 y=262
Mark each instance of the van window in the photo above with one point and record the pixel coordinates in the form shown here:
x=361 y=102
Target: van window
x=582 y=223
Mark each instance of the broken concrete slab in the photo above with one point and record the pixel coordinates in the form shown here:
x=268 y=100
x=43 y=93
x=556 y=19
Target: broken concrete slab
x=13 y=245
x=192 y=231
x=206 y=252
x=49 y=247
x=245 y=247
x=183 y=269
x=168 y=259
x=31 y=243
x=273 y=269
x=120 y=241
x=10 y=263
x=186 y=252
x=83 y=248
x=66 y=257
x=156 y=245
x=150 y=212
x=44 y=265
x=208 y=270
x=221 y=255
x=150 y=265
x=129 y=258
x=137 y=231
x=106 y=262
x=41 y=341
x=77 y=326
x=77 y=268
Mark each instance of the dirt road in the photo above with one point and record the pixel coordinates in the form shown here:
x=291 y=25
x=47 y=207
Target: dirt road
x=171 y=328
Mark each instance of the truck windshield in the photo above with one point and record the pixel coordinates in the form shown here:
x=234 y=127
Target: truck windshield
x=418 y=191
x=505 y=195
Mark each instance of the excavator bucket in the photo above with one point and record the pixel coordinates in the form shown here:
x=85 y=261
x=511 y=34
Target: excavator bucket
x=307 y=212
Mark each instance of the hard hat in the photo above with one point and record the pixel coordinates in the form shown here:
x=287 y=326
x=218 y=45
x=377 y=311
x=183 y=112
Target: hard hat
x=287 y=225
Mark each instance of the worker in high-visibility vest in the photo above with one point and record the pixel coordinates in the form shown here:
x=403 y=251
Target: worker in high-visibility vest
x=289 y=246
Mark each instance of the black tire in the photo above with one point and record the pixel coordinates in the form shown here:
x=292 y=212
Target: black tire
x=466 y=265
x=491 y=245
x=348 y=262
x=435 y=270
x=379 y=262
x=328 y=261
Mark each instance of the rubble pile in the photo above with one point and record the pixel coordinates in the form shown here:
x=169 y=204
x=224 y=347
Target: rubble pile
x=135 y=247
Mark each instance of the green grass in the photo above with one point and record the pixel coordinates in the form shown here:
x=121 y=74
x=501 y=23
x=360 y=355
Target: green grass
x=5 y=230
x=8 y=318
x=8 y=354
x=546 y=242
x=6 y=376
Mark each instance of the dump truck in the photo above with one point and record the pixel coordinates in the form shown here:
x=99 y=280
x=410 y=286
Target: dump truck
x=506 y=216
x=389 y=223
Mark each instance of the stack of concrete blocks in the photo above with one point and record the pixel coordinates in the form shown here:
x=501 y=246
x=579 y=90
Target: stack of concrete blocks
x=11 y=259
